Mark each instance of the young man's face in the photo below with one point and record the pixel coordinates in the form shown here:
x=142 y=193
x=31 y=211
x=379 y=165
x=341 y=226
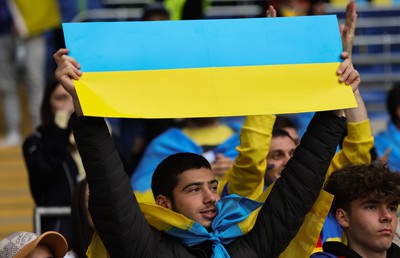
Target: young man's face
x=370 y=226
x=195 y=195
x=280 y=151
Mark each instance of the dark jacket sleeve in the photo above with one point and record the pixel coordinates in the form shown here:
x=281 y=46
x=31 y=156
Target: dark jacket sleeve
x=295 y=192
x=113 y=207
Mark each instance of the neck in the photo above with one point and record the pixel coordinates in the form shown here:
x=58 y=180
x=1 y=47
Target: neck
x=367 y=253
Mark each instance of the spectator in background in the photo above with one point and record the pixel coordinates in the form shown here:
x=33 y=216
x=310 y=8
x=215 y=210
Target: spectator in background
x=155 y=12
x=317 y=7
x=23 y=55
x=204 y=136
x=365 y=206
x=29 y=245
x=52 y=160
x=387 y=143
x=285 y=123
x=280 y=151
x=186 y=9
x=288 y=8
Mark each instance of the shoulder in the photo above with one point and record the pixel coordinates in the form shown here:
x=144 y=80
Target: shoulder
x=394 y=251
x=339 y=249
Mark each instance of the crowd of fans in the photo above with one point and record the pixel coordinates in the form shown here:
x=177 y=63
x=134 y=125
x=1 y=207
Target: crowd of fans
x=202 y=187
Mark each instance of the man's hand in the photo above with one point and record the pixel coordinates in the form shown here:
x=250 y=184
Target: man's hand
x=68 y=69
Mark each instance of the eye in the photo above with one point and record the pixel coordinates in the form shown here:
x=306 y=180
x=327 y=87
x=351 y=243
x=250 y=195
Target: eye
x=214 y=188
x=371 y=207
x=276 y=156
x=194 y=189
x=393 y=209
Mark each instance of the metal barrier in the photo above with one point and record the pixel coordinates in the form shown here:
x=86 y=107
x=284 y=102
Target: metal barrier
x=40 y=212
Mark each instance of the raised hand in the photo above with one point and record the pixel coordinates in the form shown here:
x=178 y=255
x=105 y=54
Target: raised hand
x=68 y=69
x=348 y=74
x=347 y=30
x=271 y=12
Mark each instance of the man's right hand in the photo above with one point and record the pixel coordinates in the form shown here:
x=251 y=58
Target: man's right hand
x=68 y=69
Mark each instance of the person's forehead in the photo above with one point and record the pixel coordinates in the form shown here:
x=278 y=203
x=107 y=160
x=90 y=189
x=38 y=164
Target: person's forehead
x=196 y=175
x=292 y=132
x=282 y=142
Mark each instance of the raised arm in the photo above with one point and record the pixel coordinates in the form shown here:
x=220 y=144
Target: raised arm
x=246 y=177
x=359 y=140
x=293 y=195
x=115 y=212
x=347 y=30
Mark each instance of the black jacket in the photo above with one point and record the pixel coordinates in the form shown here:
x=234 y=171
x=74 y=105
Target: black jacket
x=126 y=233
x=52 y=174
x=339 y=249
x=52 y=170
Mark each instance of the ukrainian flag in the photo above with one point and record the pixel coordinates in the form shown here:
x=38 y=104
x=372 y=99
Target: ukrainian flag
x=208 y=68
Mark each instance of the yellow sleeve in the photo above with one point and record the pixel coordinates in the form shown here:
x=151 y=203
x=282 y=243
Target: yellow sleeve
x=246 y=177
x=356 y=146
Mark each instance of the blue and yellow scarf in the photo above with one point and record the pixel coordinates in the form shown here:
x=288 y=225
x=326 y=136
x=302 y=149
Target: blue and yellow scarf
x=236 y=216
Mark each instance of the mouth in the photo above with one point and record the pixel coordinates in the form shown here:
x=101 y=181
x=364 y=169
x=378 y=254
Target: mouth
x=386 y=231
x=209 y=214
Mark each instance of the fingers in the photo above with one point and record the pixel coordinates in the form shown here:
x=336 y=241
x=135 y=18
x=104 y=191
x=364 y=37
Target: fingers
x=61 y=56
x=222 y=164
x=348 y=74
x=57 y=56
x=271 y=12
x=348 y=29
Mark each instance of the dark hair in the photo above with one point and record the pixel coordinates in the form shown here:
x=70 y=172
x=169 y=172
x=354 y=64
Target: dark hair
x=82 y=235
x=46 y=113
x=393 y=102
x=277 y=132
x=374 y=180
x=165 y=177
x=282 y=122
x=155 y=9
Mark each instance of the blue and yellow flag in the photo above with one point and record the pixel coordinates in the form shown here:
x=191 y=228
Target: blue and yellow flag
x=208 y=68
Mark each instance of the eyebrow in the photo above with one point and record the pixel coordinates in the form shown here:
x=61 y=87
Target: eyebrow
x=200 y=184
x=370 y=201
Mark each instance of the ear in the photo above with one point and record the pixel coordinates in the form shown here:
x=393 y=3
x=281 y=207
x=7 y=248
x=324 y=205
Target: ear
x=164 y=201
x=342 y=218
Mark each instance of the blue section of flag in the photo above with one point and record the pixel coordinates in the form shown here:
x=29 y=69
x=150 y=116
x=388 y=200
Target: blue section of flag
x=127 y=46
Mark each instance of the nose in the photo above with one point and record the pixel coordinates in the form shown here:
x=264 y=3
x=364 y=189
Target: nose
x=285 y=159
x=386 y=215
x=209 y=197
